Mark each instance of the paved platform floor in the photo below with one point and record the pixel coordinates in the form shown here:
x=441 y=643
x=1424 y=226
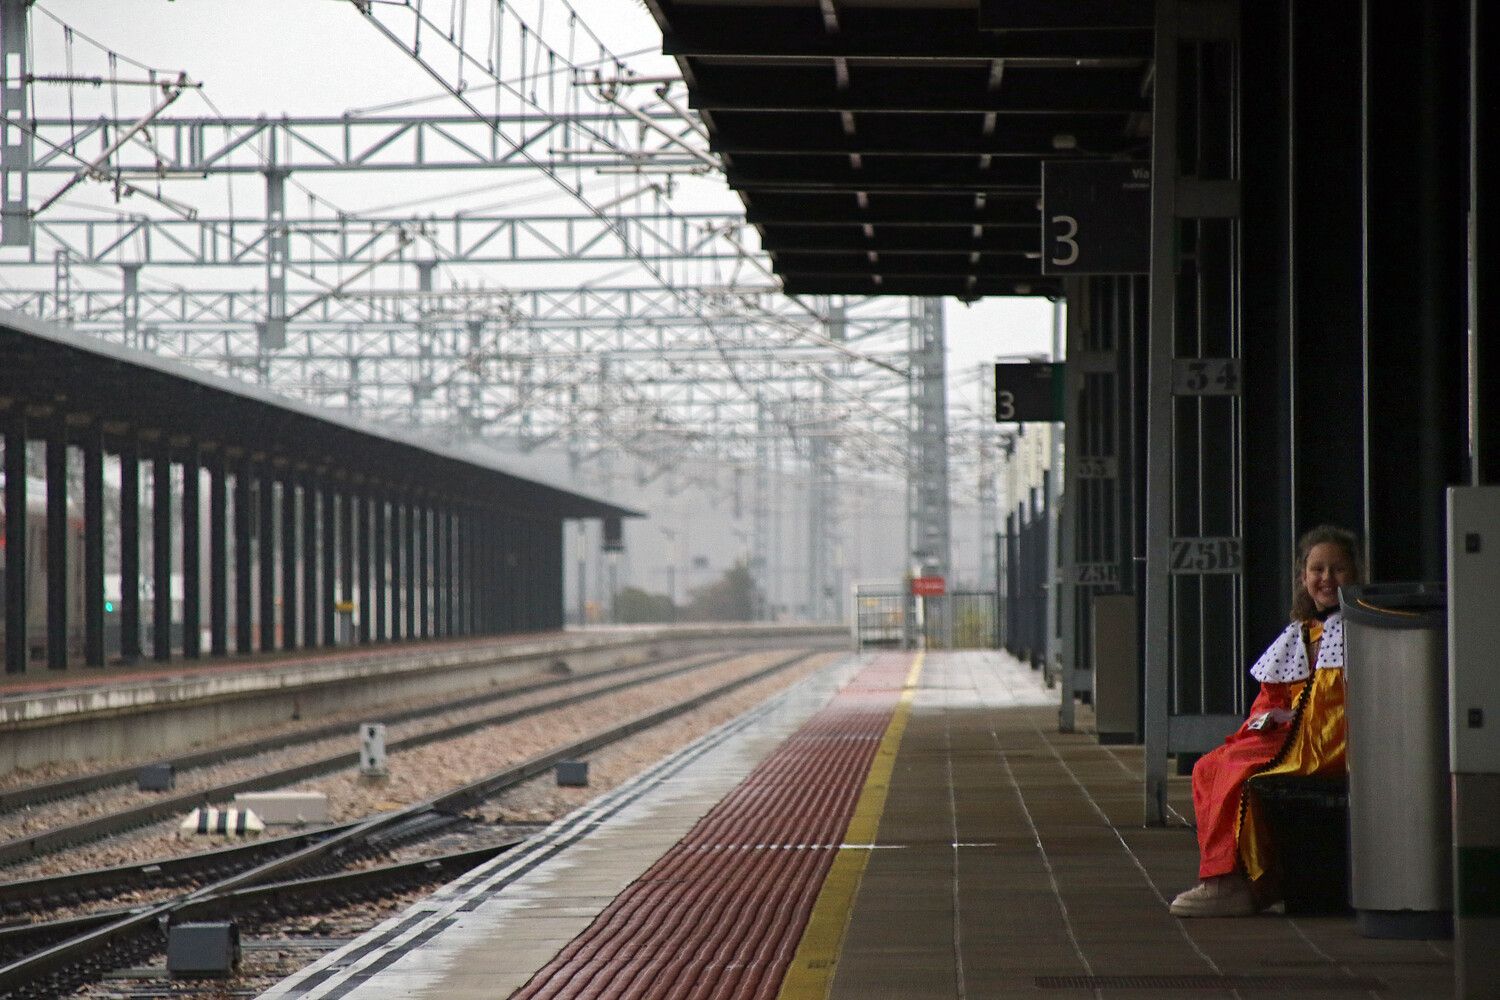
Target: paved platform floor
x=1010 y=861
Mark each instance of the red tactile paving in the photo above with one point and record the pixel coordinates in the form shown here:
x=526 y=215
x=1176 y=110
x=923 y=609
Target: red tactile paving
x=720 y=914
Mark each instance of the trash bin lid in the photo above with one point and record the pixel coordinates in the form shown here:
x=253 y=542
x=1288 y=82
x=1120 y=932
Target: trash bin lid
x=1396 y=605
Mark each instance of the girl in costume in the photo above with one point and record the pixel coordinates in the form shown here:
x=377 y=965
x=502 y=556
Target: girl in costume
x=1295 y=726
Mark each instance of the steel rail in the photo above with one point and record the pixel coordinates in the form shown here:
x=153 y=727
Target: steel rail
x=58 y=838
x=48 y=969
x=50 y=791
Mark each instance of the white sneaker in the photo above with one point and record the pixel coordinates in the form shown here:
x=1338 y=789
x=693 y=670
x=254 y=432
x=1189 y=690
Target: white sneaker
x=1220 y=896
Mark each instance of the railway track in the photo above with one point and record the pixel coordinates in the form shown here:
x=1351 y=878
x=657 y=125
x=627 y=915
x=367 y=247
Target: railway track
x=69 y=835
x=82 y=950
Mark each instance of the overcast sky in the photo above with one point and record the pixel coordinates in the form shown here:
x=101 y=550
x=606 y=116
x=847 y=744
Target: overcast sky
x=320 y=57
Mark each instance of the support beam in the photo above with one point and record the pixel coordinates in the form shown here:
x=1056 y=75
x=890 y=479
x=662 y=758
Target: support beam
x=361 y=505
x=311 y=596
x=130 y=551
x=243 y=557
x=327 y=550
x=161 y=552
x=93 y=545
x=424 y=572
x=382 y=533
x=266 y=552
x=290 y=612
x=15 y=539
x=57 y=545
x=16 y=147
x=192 y=553
x=218 y=553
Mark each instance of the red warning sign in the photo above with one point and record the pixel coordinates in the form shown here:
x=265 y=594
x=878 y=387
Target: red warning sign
x=927 y=586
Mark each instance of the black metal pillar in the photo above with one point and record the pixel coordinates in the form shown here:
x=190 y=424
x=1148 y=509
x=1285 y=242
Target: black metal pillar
x=93 y=545
x=463 y=569
x=450 y=572
x=409 y=558
x=440 y=609
x=1484 y=389
x=192 y=554
x=57 y=545
x=396 y=577
x=289 y=606
x=328 y=542
x=424 y=574
x=161 y=552
x=130 y=551
x=361 y=505
x=218 y=553
x=1415 y=279
x=346 y=550
x=15 y=541
x=243 y=599
x=1267 y=235
x=310 y=603
x=265 y=561
x=381 y=532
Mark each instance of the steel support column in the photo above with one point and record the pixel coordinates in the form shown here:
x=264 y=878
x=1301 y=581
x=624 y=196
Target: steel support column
x=347 y=506
x=381 y=531
x=192 y=553
x=312 y=618
x=218 y=553
x=57 y=544
x=1484 y=333
x=361 y=505
x=1194 y=685
x=439 y=571
x=1415 y=280
x=161 y=552
x=397 y=579
x=289 y=604
x=266 y=552
x=130 y=551
x=93 y=544
x=15 y=539
x=15 y=151
x=424 y=572
x=243 y=598
x=273 y=328
x=409 y=560
x=327 y=552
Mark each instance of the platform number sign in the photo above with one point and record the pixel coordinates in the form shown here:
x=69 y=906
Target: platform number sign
x=1096 y=217
x=1206 y=555
x=1206 y=377
x=1029 y=393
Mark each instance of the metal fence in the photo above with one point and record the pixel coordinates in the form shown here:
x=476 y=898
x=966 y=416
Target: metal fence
x=962 y=620
x=1022 y=578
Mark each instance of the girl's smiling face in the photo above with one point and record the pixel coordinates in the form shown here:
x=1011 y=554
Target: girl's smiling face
x=1328 y=567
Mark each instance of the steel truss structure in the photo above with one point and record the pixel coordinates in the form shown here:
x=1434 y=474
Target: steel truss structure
x=700 y=356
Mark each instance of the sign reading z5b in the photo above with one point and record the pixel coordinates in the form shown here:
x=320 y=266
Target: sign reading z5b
x=1096 y=217
x=1206 y=555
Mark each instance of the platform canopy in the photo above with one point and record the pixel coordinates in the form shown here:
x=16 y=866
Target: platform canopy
x=55 y=374
x=895 y=146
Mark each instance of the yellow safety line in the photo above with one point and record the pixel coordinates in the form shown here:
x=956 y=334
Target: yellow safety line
x=810 y=975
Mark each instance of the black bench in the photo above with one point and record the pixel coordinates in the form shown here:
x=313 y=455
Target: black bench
x=1309 y=824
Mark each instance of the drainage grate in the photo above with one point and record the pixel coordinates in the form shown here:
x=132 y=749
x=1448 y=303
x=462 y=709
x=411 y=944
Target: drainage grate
x=1150 y=982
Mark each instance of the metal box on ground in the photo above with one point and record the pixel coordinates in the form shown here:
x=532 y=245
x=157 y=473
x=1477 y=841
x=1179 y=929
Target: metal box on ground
x=573 y=773
x=206 y=949
x=156 y=778
x=1400 y=816
x=285 y=808
x=1117 y=686
x=372 y=750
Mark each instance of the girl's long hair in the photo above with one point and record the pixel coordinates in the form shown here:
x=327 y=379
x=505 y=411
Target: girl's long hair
x=1303 y=607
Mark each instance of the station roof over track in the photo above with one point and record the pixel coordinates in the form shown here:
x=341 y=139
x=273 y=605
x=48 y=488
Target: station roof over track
x=47 y=367
x=895 y=146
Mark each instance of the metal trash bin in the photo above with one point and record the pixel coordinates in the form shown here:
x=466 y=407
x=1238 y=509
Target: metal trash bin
x=1400 y=813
